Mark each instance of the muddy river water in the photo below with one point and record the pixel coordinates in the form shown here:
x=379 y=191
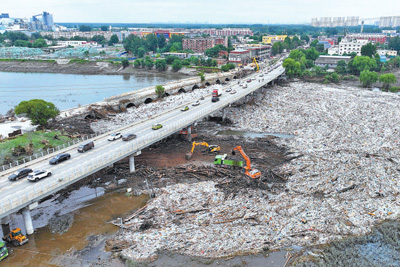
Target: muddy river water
x=91 y=218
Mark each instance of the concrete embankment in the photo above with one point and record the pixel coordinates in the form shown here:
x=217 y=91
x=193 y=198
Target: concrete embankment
x=90 y=68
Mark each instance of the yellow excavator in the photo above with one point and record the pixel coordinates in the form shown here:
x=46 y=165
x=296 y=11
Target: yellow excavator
x=16 y=237
x=255 y=64
x=210 y=148
x=252 y=173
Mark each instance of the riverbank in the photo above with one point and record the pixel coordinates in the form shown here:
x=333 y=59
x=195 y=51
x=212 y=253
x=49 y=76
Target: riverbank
x=87 y=68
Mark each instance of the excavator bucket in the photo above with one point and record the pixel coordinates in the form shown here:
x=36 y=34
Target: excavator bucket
x=189 y=155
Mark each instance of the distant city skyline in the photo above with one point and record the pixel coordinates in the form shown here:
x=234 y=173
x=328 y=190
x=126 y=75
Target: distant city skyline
x=206 y=11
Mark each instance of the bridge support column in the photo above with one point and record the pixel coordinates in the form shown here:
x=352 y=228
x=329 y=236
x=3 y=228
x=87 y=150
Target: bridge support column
x=224 y=114
x=132 y=161
x=26 y=213
x=189 y=134
x=273 y=82
x=5 y=225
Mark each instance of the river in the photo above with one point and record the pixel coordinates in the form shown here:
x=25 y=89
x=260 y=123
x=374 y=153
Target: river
x=70 y=90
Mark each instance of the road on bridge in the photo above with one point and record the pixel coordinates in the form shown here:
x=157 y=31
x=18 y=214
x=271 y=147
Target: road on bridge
x=10 y=192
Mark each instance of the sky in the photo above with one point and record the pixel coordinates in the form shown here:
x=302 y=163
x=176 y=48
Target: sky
x=200 y=11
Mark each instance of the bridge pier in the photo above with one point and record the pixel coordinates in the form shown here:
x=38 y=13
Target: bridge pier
x=132 y=161
x=26 y=213
x=5 y=225
x=189 y=134
x=224 y=114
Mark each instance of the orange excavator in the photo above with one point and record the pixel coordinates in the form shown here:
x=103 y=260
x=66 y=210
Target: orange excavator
x=210 y=148
x=253 y=173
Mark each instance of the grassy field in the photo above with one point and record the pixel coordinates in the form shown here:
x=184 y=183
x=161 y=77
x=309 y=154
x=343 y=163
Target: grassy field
x=37 y=139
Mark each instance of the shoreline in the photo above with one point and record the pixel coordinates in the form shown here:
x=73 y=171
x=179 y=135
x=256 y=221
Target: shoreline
x=87 y=68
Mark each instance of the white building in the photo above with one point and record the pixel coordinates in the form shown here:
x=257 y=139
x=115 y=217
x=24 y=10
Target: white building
x=347 y=46
x=384 y=52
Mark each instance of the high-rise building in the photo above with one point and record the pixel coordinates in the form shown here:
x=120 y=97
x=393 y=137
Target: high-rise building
x=385 y=22
x=395 y=21
x=325 y=22
x=314 y=22
x=338 y=21
x=352 y=21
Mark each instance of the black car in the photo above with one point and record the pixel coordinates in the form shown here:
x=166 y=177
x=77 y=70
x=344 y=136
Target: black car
x=214 y=99
x=60 y=158
x=19 y=174
x=129 y=136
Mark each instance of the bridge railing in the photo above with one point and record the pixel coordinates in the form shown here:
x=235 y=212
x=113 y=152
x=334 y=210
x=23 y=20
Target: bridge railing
x=48 y=151
x=22 y=198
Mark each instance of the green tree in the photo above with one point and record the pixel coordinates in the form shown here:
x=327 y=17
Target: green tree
x=37 y=110
x=98 y=38
x=137 y=63
x=305 y=38
x=341 y=67
x=277 y=48
x=314 y=43
x=194 y=60
x=38 y=43
x=22 y=43
x=202 y=77
x=367 y=78
x=160 y=90
x=225 y=68
x=387 y=80
x=176 y=65
x=368 y=50
x=125 y=63
x=148 y=62
x=320 y=48
x=161 y=64
x=311 y=54
x=104 y=28
x=394 y=43
x=335 y=77
x=162 y=42
x=141 y=52
x=292 y=67
x=360 y=63
x=85 y=28
x=113 y=39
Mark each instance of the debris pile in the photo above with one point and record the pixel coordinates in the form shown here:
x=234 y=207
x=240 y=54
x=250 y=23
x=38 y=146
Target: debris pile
x=343 y=179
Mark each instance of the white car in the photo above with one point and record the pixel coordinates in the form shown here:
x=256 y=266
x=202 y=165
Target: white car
x=38 y=174
x=233 y=92
x=228 y=90
x=114 y=136
x=245 y=85
x=196 y=103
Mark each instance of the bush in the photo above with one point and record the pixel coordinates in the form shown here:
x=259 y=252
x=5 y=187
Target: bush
x=125 y=63
x=394 y=89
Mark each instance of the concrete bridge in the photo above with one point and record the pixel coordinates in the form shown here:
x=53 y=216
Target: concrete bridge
x=22 y=196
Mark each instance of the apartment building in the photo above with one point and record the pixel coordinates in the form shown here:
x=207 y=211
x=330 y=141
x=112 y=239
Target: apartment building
x=199 y=45
x=347 y=46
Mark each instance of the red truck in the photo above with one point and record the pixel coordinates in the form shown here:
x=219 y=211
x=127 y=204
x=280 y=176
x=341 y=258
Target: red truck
x=216 y=93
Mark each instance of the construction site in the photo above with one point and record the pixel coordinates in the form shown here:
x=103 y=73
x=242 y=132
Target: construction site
x=310 y=175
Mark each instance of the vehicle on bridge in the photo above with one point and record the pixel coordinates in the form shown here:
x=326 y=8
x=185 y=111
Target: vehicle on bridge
x=249 y=80
x=185 y=108
x=228 y=90
x=38 y=174
x=128 y=136
x=3 y=251
x=16 y=237
x=19 y=174
x=245 y=85
x=216 y=93
x=85 y=146
x=60 y=158
x=114 y=136
x=156 y=126
x=233 y=92
x=196 y=103
x=214 y=99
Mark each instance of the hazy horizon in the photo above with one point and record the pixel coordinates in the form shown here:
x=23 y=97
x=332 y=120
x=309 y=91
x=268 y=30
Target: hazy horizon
x=195 y=12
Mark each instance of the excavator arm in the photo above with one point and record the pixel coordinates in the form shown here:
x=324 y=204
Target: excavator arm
x=256 y=64
x=253 y=173
x=211 y=148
